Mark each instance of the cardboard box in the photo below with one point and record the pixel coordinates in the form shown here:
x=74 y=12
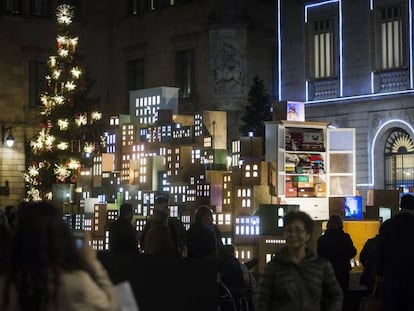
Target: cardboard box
x=291 y=191
x=305 y=185
x=305 y=192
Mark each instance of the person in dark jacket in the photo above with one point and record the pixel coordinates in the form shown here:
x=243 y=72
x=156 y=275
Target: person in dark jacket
x=158 y=238
x=395 y=266
x=297 y=279
x=337 y=247
x=122 y=235
x=203 y=237
x=368 y=259
x=175 y=227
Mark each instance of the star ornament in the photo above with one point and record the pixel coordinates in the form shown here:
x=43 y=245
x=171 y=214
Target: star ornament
x=61 y=172
x=64 y=14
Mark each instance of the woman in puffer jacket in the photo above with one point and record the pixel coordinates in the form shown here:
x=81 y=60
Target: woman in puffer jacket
x=297 y=279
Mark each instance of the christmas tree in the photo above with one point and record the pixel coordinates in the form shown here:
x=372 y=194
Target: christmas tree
x=257 y=111
x=69 y=134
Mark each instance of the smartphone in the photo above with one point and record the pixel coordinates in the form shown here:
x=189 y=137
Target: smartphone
x=79 y=238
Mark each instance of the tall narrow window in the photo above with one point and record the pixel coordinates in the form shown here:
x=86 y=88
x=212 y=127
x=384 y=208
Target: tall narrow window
x=391 y=38
x=185 y=73
x=135 y=72
x=323 y=49
x=37 y=81
x=399 y=161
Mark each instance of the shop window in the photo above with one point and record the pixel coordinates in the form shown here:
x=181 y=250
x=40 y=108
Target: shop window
x=399 y=161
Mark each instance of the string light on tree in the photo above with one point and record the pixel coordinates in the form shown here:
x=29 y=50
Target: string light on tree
x=70 y=127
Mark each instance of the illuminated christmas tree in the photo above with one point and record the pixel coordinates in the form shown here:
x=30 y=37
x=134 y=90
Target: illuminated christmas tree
x=69 y=134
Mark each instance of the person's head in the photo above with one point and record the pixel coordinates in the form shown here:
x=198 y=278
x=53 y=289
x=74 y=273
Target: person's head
x=335 y=222
x=125 y=211
x=298 y=229
x=407 y=202
x=161 y=204
x=41 y=247
x=204 y=215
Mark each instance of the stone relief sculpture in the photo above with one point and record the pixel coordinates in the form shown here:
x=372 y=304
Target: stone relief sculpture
x=228 y=72
x=228 y=61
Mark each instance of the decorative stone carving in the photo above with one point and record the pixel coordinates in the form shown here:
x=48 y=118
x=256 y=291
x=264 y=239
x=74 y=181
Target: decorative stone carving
x=228 y=48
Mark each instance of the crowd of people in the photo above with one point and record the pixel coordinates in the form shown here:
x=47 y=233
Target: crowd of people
x=42 y=268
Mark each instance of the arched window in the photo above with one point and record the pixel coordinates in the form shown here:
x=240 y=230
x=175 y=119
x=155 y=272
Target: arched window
x=399 y=161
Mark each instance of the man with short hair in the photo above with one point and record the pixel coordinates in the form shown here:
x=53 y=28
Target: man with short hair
x=395 y=266
x=175 y=227
x=122 y=235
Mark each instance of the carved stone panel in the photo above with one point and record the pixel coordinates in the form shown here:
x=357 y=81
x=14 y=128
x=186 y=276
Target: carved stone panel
x=228 y=52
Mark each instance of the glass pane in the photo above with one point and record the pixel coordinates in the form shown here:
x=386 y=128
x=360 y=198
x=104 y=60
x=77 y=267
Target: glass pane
x=341 y=185
x=341 y=140
x=341 y=163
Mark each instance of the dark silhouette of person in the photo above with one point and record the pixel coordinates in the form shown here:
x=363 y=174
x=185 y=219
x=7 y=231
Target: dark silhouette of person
x=396 y=256
x=10 y=212
x=368 y=259
x=4 y=238
x=46 y=271
x=158 y=238
x=175 y=226
x=203 y=237
x=122 y=235
x=232 y=275
x=337 y=247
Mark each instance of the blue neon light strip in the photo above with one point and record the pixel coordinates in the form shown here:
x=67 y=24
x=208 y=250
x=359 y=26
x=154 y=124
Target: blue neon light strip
x=341 y=54
x=410 y=19
x=372 y=83
x=279 y=52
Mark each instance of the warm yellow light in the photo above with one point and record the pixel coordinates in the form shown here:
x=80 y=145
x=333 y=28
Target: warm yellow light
x=89 y=147
x=33 y=170
x=63 y=52
x=64 y=14
x=59 y=99
x=52 y=61
x=96 y=115
x=63 y=124
x=63 y=146
x=73 y=164
x=61 y=39
x=74 y=42
x=56 y=74
x=70 y=85
x=76 y=72
x=61 y=172
x=81 y=120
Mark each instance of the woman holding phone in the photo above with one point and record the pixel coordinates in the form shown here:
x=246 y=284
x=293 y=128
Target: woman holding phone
x=45 y=271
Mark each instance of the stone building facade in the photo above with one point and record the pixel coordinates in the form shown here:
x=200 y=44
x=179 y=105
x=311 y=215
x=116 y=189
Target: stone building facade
x=211 y=50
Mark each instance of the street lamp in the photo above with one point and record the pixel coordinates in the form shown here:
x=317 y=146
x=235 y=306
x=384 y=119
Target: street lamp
x=9 y=139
